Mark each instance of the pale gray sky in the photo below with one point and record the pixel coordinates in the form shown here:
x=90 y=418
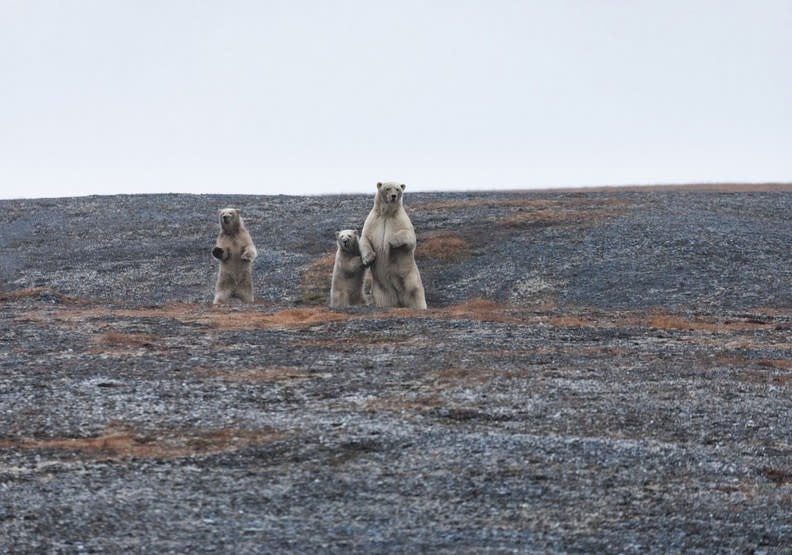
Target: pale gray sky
x=267 y=97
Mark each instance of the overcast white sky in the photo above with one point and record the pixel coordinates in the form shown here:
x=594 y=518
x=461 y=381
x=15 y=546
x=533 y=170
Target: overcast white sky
x=296 y=97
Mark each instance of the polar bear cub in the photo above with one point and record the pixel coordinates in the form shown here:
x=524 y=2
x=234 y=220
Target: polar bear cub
x=387 y=246
x=235 y=251
x=346 y=289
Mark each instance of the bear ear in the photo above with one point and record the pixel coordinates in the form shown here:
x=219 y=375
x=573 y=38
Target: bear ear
x=379 y=185
x=337 y=234
x=403 y=186
x=237 y=211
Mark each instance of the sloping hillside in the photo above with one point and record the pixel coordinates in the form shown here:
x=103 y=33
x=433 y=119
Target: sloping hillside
x=603 y=370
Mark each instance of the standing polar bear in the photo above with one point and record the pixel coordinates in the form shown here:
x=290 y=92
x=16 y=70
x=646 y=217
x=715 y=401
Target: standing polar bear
x=346 y=289
x=235 y=251
x=387 y=245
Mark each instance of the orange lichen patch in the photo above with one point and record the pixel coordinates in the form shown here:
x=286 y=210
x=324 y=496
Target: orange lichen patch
x=216 y=317
x=541 y=218
x=315 y=279
x=476 y=309
x=28 y=293
x=37 y=292
x=442 y=245
x=117 y=338
x=527 y=212
x=405 y=403
x=764 y=377
x=548 y=314
x=670 y=321
x=80 y=316
x=173 y=444
x=261 y=316
x=783 y=364
x=582 y=211
x=290 y=317
x=735 y=360
x=401 y=313
x=175 y=311
x=777 y=475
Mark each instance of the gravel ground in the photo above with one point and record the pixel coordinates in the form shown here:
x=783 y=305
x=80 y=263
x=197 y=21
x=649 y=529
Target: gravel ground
x=599 y=371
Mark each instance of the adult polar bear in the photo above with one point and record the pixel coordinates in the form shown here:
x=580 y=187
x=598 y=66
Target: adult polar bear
x=387 y=245
x=235 y=251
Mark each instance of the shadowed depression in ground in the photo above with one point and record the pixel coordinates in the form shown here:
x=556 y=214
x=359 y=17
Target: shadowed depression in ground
x=604 y=370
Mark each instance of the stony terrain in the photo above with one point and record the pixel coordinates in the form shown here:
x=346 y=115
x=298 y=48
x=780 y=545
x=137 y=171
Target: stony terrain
x=599 y=371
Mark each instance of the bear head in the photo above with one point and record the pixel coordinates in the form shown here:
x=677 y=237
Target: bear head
x=347 y=240
x=230 y=219
x=390 y=192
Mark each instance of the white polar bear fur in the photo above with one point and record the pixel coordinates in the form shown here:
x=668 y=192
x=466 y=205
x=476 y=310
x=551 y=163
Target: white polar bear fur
x=235 y=251
x=387 y=246
x=346 y=289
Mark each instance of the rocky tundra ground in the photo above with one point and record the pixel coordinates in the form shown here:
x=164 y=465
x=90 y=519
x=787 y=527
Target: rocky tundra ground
x=598 y=371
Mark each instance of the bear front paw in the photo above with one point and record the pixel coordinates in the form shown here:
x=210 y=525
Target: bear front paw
x=368 y=258
x=217 y=252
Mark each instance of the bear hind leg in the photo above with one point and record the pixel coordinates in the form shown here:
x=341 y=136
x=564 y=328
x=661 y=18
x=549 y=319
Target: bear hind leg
x=244 y=292
x=244 y=288
x=221 y=296
x=383 y=297
x=412 y=294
